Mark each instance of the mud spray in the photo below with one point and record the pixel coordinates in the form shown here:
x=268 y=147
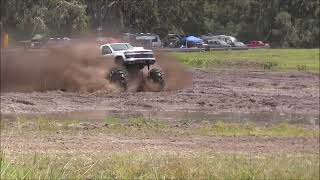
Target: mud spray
x=76 y=68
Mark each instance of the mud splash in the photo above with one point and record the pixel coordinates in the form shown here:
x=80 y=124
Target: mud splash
x=76 y=68
x=176 y=75
x=72 y=68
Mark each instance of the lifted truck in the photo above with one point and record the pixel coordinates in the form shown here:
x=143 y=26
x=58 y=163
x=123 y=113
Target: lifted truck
x=130 y=62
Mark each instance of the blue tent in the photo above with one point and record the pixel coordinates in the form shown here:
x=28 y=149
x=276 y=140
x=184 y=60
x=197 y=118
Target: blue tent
x=192 y=40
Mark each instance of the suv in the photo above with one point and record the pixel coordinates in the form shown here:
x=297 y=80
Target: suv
x=216 y=43
x=148 y=40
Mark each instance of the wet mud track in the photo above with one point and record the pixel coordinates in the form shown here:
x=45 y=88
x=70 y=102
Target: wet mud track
x=211 y=92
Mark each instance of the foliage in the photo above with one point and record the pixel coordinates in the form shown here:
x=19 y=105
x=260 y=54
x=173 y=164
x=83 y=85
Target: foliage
x=25 y=18
x=284 y=23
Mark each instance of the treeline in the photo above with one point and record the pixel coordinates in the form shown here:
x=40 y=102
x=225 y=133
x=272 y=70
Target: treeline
x=285 y=23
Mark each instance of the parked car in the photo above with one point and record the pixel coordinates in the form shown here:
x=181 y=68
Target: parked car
x=172 y=41
x=37 y=41
x=57 y=42
x=128 y=37
x=239 y=44
x=258 y=44
x=147 y=40
x=216 y=43
x=228 y=39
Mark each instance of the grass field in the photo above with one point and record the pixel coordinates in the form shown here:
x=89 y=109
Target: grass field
x=139 y=127
x=144 y=165
x=151 y=164
x=267 y=59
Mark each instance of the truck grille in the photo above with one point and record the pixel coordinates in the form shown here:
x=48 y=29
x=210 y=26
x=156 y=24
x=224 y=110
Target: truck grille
x=139 y=56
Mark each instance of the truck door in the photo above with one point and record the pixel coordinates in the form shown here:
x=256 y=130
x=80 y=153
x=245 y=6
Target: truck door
x=106 y=51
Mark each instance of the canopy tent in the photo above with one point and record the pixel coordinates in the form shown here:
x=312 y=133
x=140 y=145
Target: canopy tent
x=37 y=37
x=191 y=39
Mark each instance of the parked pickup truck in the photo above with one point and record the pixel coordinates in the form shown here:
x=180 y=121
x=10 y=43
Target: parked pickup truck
x=258 y=44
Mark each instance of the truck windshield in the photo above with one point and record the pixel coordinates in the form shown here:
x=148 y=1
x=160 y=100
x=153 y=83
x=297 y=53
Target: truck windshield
x=121 y=47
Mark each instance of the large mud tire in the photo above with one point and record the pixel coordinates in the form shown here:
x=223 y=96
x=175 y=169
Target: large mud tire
x=157 y=77
x=119 y=77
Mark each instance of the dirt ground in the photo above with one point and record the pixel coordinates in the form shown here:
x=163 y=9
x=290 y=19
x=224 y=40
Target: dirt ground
x=212 y=91
x=28 y=88
x=106 y=143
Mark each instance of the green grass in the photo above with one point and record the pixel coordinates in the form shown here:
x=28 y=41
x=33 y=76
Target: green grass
x=152 y=127
x=268 y=59
x=144 y=165
x=152 y=164
x=280 y=130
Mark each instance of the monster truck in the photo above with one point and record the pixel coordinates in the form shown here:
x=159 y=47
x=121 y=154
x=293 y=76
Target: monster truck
x=130 y=62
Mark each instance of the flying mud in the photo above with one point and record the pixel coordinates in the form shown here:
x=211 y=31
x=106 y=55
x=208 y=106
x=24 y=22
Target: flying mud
x=76 y=68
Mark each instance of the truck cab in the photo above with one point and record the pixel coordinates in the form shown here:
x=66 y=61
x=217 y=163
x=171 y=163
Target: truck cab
x=126 y=54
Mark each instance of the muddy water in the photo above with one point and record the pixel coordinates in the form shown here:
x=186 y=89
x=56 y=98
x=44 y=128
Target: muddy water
x=264 y=118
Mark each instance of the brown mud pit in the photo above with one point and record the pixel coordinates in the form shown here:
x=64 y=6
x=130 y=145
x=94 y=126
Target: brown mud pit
x=211 y=92
x=212 y=95
x=236 y=96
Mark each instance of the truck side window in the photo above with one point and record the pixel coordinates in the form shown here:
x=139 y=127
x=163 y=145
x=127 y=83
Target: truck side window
x=105 y=50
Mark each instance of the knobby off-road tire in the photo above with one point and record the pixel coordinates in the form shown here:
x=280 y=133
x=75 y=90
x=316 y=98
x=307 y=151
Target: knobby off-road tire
x=119 y=77
x=157 y=77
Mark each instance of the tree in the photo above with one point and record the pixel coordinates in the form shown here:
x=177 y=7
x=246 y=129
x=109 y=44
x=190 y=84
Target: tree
x=282 y=22
x=66 y=17
x=288 y=32
x=24 y=18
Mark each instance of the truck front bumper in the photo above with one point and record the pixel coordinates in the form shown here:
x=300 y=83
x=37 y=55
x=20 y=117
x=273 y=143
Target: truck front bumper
x=142 y=61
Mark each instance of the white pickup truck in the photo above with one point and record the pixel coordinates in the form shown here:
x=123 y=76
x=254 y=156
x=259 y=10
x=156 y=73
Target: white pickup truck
x=130 y=61
x=126 y=54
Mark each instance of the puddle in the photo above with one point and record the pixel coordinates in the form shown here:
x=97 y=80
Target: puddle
x=174 y=116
